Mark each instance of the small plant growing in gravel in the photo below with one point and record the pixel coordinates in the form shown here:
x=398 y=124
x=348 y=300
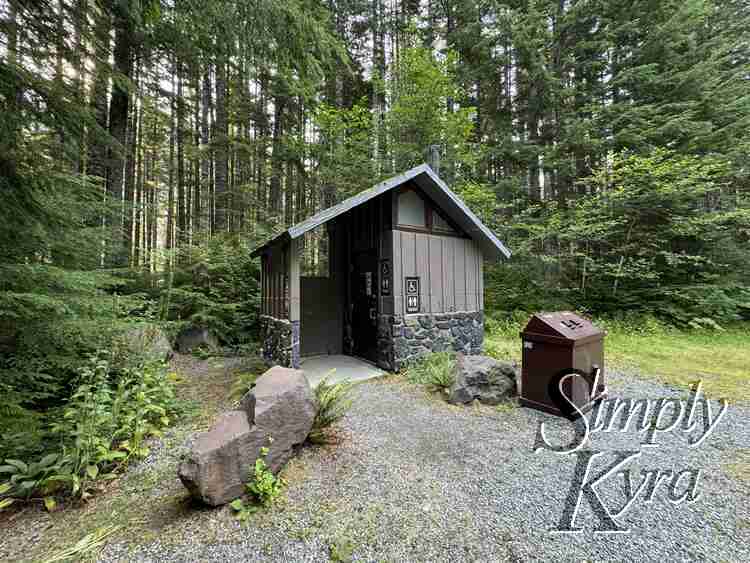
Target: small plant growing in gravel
x=333 y=401
x=264 y=487
x=435 y=371
x=341 y=550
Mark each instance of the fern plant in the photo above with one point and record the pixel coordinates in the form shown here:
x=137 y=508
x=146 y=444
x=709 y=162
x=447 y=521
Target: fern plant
x=435 y=371
x=333 y=401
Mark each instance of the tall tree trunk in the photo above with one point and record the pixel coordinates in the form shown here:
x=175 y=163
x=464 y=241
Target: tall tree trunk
x=80 y=29
x=182 y=231
x=153 y=208
x=130 y=171
x=378 y=55
x=205 y=140
x=276 y=157
x=59 y=73
x=221 y=142
x=260 y=158
x=170 y=197
x=139 y=186
x=9 y=139
x=97 y=140
x=118 y=127
x=197 y=162
x=532 y=131
x=289 y=194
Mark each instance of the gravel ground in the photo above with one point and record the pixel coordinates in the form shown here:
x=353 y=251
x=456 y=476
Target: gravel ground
x=416 y=479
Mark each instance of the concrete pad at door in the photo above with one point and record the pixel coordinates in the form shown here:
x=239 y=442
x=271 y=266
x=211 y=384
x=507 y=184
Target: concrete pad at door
x=346 y=368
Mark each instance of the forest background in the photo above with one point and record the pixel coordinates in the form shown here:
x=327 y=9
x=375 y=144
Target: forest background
x=147 y=146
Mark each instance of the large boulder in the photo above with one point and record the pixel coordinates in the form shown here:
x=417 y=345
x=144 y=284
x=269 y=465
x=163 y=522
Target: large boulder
x=147 y=342
x=194 y=337
x=483 y=378
x=277 y=413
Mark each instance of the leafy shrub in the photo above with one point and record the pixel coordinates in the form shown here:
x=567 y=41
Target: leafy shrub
x=333 y=401
x=22 y=430
x=434 y=370
x=657 y=233
x=41 y=477
x=102 y=426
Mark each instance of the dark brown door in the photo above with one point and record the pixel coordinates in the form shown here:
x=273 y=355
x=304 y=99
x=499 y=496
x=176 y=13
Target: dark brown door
x=364 y=305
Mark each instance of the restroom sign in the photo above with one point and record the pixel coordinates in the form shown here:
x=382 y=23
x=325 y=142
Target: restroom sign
x=385 y=277
x=412 y=295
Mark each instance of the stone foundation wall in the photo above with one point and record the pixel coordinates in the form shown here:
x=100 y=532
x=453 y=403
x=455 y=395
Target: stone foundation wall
x=405 y=338
x=280 y=341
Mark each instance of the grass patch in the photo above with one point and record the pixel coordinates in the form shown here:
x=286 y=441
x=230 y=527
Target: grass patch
x=720 y=358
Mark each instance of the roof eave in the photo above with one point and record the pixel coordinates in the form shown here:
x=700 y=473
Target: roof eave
x=279 y=239
x=492 y=247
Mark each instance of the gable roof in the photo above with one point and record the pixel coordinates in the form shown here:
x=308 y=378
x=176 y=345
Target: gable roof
x=432 y=185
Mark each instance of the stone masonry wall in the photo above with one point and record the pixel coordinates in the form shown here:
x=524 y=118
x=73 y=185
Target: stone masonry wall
x=404 y=338
x=280 y=341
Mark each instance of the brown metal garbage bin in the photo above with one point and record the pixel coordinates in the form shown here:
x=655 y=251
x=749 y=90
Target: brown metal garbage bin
x=558 y=343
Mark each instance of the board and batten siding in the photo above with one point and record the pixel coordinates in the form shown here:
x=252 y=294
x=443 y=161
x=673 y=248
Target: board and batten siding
x=450 y=271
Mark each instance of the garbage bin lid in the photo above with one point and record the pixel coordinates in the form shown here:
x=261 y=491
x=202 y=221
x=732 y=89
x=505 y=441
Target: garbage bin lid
x=562 y=324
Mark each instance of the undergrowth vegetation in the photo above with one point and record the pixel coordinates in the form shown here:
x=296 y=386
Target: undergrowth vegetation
x=214 y=285
x=102 y=427
x=79 y=396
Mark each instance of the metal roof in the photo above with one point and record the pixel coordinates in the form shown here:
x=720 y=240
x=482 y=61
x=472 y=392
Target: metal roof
x=432 y=185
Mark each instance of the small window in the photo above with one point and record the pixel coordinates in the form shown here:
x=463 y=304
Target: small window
x=411 y=210
x=440 y=224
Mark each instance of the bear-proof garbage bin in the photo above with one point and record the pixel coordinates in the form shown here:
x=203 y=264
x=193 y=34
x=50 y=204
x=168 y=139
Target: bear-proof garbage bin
x=555 y=344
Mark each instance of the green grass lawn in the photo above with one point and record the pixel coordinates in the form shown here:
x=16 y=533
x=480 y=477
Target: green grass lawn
x=721 y=359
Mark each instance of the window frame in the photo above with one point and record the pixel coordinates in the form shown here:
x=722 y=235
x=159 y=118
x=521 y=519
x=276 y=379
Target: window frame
x=429 y=208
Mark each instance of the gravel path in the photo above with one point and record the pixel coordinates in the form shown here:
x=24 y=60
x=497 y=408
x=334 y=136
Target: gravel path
x=416 y=479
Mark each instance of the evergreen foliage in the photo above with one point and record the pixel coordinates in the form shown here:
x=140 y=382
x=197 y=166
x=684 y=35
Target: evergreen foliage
x=146 y=147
